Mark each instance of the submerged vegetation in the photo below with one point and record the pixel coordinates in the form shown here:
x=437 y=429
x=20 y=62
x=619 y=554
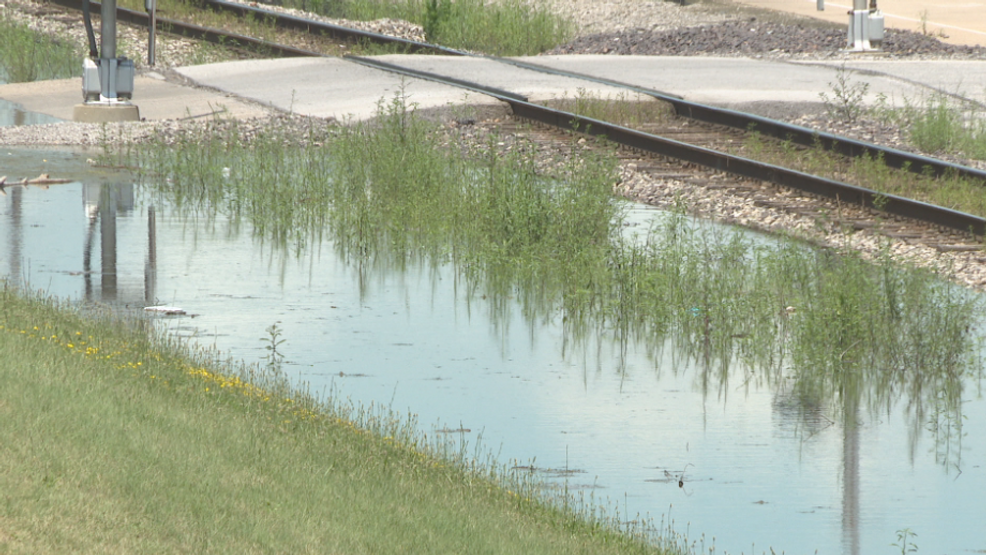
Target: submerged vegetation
x=547 y=237
x=28 y=55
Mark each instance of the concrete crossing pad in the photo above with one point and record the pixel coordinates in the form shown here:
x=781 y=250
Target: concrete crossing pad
x=343 y=89
x=327 y=87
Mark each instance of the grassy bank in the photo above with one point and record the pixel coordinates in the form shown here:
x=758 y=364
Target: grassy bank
x=111 y=442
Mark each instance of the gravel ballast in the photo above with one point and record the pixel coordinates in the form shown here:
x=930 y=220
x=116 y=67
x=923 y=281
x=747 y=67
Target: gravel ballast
x=755 y=37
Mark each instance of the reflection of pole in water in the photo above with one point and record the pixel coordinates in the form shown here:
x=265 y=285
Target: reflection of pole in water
x=150 y=265
x=16 y=234
x=107 y=243
x=103 y=204
x=93 y=216
x=850 y=475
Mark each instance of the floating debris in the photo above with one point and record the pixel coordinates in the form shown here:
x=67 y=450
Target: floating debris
x=42 y=180
x=166 y=310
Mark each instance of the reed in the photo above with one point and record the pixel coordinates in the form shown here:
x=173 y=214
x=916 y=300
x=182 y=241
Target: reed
x=545 y=238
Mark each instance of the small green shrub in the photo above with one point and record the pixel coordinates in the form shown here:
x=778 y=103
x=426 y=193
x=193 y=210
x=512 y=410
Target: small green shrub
x=847 y=102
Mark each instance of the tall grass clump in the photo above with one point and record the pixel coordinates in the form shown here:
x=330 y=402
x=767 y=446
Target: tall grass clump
x=940 y=125
x=545 y=237
x=268 y=179
x=497 y=27
x=936 y=126
x=501 y=27
x=28 y=55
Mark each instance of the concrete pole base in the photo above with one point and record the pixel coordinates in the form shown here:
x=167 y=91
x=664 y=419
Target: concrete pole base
x=105 y=113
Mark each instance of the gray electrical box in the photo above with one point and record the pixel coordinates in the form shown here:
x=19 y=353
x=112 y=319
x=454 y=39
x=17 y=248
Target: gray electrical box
x=125 y=77
x=90 y=80
x=122 y=72
x=875 y=26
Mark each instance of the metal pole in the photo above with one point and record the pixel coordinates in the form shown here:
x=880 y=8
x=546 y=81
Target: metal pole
x=107 y=29
x=857 y=26
x=151 y=7
x=107 y=54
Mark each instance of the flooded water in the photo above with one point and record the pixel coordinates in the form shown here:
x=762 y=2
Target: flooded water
x=741 y=465
x=12 y=114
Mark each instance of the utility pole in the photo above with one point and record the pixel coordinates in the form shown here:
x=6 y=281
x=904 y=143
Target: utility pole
x=865 y=27
x=107 y=81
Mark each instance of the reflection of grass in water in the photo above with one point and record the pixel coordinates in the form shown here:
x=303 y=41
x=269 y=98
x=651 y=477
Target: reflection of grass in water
x=390 y=195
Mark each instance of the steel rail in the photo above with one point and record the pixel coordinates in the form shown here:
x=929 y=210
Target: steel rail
x=845 y=146
x=628 y=137
x=737 y=165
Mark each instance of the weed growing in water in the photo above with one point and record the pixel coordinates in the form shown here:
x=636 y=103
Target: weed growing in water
x=272 y=343
x=545 y=238
x=906 y=546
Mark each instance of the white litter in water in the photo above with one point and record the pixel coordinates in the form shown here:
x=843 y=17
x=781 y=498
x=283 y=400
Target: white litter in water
x=167 y=310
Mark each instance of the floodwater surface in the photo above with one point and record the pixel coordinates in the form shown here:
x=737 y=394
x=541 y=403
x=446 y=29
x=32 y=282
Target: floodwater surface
x=740 y=466
x=13 y=114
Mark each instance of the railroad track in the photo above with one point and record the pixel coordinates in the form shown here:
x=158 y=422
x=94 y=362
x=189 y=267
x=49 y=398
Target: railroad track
x=655 y=142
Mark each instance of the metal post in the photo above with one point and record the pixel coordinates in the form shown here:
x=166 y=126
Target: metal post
x=865 y=26
x=107 y=51
x=107 y=243
x=151 y=7
x=820 y=5
x=107 y=80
